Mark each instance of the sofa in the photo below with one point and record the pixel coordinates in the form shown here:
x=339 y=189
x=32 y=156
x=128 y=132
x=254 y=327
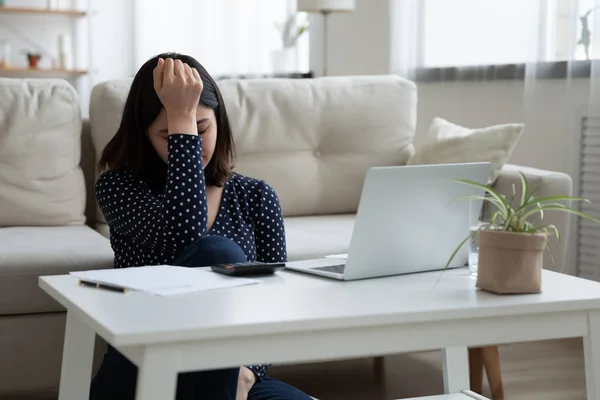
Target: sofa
x=312 y=139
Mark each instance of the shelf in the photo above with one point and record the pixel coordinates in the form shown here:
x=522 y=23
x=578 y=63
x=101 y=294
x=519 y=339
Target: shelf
x=466 y=395
x=20 y=71
x=40 y=11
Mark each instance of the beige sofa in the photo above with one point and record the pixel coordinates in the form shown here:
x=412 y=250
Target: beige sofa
x=312 y=140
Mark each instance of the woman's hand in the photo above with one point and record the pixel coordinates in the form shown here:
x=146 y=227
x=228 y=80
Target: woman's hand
x=178 y=87
x=246 y=380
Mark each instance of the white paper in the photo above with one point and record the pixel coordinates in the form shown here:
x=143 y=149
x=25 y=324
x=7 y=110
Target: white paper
x=162 y=280
x=340 y=256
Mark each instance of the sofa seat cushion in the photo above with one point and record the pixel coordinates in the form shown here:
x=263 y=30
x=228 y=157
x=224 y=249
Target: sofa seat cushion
x=28 y=252
x=318 y=236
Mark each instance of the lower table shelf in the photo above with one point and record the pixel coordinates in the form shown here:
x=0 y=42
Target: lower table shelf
x=466 y=395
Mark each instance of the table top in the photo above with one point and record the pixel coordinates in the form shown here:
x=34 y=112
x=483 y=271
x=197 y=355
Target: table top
x=295 y=302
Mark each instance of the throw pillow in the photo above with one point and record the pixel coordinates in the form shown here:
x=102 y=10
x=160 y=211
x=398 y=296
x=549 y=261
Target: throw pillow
x=448 y=143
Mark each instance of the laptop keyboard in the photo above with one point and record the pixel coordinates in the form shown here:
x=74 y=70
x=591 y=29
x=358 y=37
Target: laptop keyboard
x=339 y=269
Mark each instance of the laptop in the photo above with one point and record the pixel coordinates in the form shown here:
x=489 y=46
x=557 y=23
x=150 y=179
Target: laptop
x=404 y=222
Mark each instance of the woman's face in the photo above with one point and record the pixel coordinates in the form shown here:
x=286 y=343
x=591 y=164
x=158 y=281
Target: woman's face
x=158 y=133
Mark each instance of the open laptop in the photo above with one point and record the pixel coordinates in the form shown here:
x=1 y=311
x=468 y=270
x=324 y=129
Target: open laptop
x=405 y=224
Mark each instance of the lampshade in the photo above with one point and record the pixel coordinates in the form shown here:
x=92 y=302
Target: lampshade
x=326 y=5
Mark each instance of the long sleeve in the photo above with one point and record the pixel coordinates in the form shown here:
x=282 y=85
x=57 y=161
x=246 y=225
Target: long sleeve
x=269 y=236
x=169 y=223
x=269 y=230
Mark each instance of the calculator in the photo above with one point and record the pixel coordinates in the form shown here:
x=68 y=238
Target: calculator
x=247 y=268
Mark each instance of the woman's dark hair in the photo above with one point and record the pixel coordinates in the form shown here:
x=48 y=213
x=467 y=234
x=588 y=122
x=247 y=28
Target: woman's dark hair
x=131 y=149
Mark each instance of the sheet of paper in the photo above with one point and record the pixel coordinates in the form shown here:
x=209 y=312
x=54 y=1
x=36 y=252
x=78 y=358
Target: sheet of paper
x=162 y=280
x=341 y=256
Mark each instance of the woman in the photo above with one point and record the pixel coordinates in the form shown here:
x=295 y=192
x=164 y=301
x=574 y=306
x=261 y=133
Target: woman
x=169 y=196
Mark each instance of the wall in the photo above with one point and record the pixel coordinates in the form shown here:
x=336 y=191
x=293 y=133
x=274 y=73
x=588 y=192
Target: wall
x=107 y=52
x=358 y=43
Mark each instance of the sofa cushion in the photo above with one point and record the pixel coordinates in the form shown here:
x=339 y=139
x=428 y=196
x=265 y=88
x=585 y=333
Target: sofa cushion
x=28 y=252
x=448 y=143
x=106 y=109
x=312 y=139
x=41 y=182
x=318 y=236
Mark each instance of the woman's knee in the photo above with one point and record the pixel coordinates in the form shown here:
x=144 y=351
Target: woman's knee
x=210 y=250
x=217 y=384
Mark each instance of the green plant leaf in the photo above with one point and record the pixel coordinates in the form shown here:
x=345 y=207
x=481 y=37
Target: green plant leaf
x=512 y=197
x=533 y=192
x=525 y=187
x=533 y=200
x=522 y=213
x=550 y=252
x=545 y=229
x=457 y=249
x=499 y=199
x=565 y=209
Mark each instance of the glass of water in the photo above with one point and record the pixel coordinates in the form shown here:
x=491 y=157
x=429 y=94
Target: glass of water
x=476 y=221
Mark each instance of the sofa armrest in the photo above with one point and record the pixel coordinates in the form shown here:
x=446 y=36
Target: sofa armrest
x=554 y=184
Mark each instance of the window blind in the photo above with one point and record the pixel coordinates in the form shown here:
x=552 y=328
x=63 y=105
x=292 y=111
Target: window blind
x=588 y=232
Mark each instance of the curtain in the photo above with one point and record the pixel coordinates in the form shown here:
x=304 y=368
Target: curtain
x=485 y=62
x=229 y=37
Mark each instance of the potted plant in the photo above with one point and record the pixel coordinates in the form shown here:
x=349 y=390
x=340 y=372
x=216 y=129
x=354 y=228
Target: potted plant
x=511 y=247
x=285 y=58
x=33 y=59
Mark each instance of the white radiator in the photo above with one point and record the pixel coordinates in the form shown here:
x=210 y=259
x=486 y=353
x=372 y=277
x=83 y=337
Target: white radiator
x=588 y=232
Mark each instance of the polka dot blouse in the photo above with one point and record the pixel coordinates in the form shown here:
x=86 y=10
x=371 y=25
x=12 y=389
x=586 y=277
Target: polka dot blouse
x=147 y=228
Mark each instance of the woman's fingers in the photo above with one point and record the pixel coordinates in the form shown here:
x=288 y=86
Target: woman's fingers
x=168 y=73
x=158 y=74
x=189 y=75
x=180 y=88
x=179 y=69
x=196 y=74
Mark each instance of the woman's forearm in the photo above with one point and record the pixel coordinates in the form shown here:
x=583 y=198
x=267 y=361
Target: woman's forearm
x=182 y=123
x=185 y=203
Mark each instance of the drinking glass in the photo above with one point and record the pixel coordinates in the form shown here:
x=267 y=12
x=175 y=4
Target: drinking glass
x=477 y=219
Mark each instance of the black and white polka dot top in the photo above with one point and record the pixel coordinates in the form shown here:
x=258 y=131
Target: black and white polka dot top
x=147 y=228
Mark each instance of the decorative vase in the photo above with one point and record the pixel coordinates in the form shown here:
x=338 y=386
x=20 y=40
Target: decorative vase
x=510 y=263
x=285 y=60
x=33 y=60
x=5 y=53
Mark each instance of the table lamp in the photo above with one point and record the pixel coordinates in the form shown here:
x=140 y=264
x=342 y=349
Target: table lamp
x=325 y=7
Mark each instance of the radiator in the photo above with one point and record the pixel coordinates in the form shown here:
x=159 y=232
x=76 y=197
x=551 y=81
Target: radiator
x=588 y=232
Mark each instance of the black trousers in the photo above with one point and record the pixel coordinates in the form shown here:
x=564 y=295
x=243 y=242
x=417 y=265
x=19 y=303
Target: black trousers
x=117 y=377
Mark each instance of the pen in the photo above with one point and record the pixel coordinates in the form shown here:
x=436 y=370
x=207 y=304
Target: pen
x=102 y=286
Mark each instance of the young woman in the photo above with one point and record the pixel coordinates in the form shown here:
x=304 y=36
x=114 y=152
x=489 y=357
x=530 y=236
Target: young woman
x=169 y=196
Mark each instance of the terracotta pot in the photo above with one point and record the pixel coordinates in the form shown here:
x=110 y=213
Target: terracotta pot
x=33 y=61
x=509 y=262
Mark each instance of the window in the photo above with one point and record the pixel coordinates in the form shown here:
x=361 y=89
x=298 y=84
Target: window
x=229 y=37
x=491 y=32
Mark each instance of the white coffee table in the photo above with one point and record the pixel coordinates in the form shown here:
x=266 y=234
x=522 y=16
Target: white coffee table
x=295 y=318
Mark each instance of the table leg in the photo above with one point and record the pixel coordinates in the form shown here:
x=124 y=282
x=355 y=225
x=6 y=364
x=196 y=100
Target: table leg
x=78 y=356
x=591 y=347
x=476 y=370
x=157 y=374
x=456 y=369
